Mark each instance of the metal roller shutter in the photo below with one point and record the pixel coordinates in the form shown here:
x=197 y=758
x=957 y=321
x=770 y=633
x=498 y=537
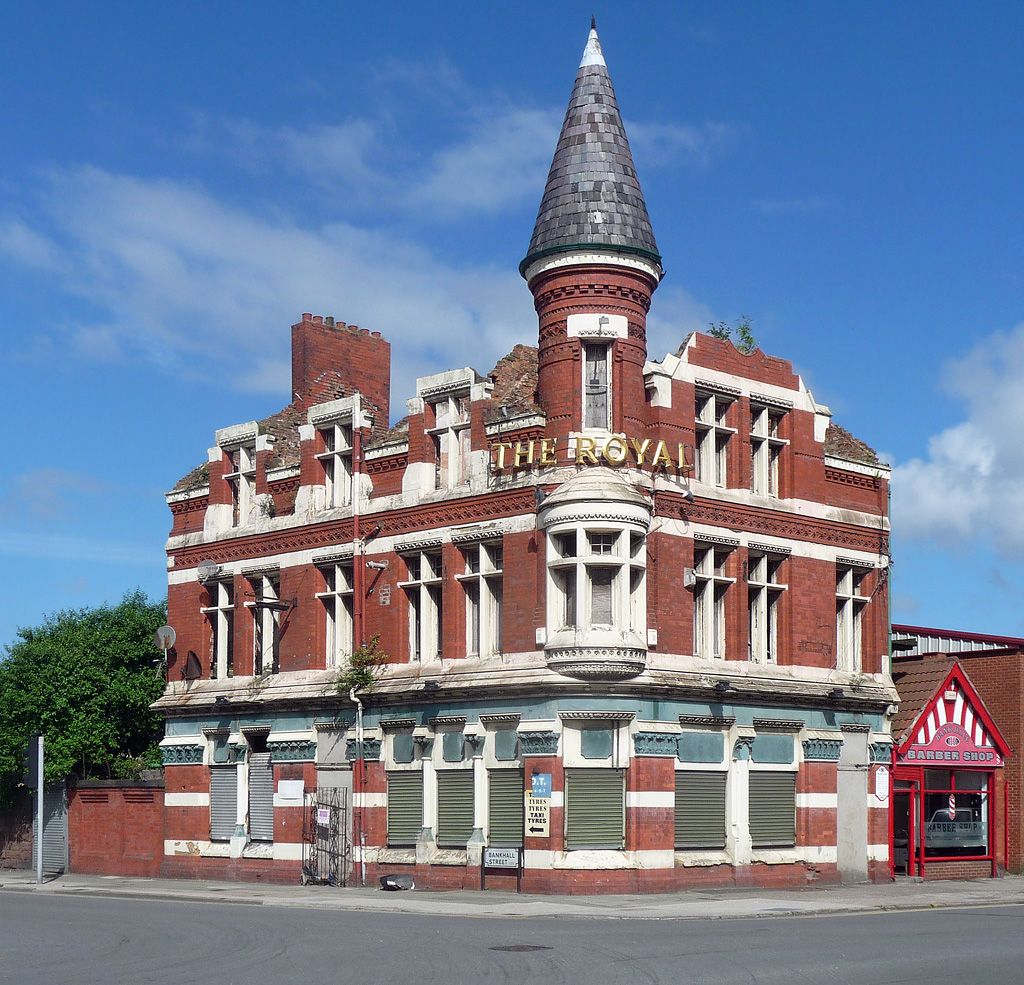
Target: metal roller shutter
x=772 y=810
x=505 y=808
x=223 y=802
x=700 y=809
x=405 y=807
x=55 y=829
x=261 y=797
x=454 y=807
x=595 y=808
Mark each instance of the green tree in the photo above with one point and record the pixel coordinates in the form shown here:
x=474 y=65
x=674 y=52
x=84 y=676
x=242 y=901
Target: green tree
x=744 y=340
x=85 y=679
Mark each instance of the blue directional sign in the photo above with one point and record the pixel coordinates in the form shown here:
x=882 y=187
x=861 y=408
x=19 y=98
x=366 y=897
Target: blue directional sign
x=541 y=785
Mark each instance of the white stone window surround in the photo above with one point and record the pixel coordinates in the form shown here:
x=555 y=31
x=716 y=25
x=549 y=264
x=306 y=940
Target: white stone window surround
x=850 y=606
x=596 y=577
x=338 y=599
x=766 y=447
x=712 y=435
x=336 y=422
x=391 y=728
x=596 y=385
x=710 y=595
x=423 y=589
x=498 y=723
x=239 y=445
x=266 y=637
x=483 y=584
x=220 y=614
x=575 y=723
x=764 y=593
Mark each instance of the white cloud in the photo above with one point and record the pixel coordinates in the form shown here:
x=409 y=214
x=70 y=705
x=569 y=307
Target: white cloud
x=47 y=494
x=208 y=290
x=659 y=145
x=674 y=314
x=970 y=487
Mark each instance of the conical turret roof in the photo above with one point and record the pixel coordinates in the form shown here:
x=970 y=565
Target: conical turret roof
x=592 y=198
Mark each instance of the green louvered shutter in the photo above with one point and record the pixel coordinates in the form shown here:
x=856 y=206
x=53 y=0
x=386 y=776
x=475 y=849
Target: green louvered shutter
x=772 y=810
x=454 y=807
x=405 y=807
x=700 y=809
x=595 y=808
x=505 y=808
x=223 y=802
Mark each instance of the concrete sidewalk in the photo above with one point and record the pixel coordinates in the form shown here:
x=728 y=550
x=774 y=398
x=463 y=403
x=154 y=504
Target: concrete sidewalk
x=703 y=904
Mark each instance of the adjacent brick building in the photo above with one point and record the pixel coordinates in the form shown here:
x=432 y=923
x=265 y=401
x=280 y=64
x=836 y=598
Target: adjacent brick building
x=634 y=611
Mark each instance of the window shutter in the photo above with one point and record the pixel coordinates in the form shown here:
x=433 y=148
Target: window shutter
x=595 y=808
x=261 y=797
x=454 y=807
x=405 y=807
x=700 y=809
x=772 y=810
x=601 y=596
x=505 y=808
x=223 y=802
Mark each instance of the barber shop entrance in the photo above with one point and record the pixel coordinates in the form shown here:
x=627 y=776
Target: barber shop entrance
x=948 y=799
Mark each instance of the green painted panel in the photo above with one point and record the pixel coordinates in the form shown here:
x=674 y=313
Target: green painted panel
x=772 y=747
x=701 y=747
x=596 y=743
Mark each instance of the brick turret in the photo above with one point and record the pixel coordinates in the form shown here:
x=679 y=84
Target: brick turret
x=592 y=266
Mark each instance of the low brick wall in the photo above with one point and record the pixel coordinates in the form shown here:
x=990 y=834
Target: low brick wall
x=116 y=827
x=16 y=834
x=966 y=869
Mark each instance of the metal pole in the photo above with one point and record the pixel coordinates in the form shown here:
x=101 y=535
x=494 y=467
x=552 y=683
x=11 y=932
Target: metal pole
x=39 y=813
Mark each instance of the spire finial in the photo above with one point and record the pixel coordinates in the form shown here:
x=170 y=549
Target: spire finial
x=593 y=23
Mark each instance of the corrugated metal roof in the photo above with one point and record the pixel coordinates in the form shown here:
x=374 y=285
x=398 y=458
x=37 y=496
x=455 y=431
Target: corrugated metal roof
x=592 y=196
x=930 y=640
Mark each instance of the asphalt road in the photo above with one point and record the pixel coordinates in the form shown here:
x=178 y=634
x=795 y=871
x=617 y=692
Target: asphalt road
x=79 y=941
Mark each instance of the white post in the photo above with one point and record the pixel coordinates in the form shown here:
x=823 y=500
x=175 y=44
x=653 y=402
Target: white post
x=40 y=796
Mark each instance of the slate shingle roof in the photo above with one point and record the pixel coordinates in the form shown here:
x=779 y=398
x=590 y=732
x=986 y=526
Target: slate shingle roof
x=592 y=196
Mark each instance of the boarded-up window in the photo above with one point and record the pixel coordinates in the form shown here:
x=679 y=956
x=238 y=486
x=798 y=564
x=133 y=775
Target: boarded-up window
x=261 y=797
x=223 y=802
x=700 y=809
x=505 y=808
x=454 y=807
x=405 y=807
x=772 y=810
x=595 y=808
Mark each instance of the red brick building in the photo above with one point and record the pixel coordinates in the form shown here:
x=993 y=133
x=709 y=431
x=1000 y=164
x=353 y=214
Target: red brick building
x=995 y=667
x=633 y=611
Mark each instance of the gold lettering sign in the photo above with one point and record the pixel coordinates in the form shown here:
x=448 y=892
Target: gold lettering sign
x=616 y=450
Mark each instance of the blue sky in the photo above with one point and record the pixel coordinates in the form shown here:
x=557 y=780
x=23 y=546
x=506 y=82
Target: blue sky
x=178 y=183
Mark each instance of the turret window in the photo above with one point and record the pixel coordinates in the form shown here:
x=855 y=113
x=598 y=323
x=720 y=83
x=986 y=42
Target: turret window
x=242 y=479
x=596 y=385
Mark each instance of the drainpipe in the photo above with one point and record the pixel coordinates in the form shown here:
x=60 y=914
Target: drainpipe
x=357 y=540
x=358 y=786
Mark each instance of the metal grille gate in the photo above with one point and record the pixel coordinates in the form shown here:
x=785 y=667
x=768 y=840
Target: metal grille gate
x=326 y=848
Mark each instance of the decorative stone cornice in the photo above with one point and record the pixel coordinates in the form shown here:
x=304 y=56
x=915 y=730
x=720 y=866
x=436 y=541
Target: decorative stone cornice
x=822 y=750
x=292 y=751
x=717 y=539
x=338 y=725
x=655 y=744
x=398 y=723
x=769 y=401
x=778 y=725
x=447 y=720
x=538 y=743
x=371 y=749
x=732 y=391
x=723 y=721
x=510 y=718
x=182 y=755
x=854 y=562
x=769 y=548
x=597 y=716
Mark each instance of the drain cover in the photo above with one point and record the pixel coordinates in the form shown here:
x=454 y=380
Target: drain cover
x=519 y=947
